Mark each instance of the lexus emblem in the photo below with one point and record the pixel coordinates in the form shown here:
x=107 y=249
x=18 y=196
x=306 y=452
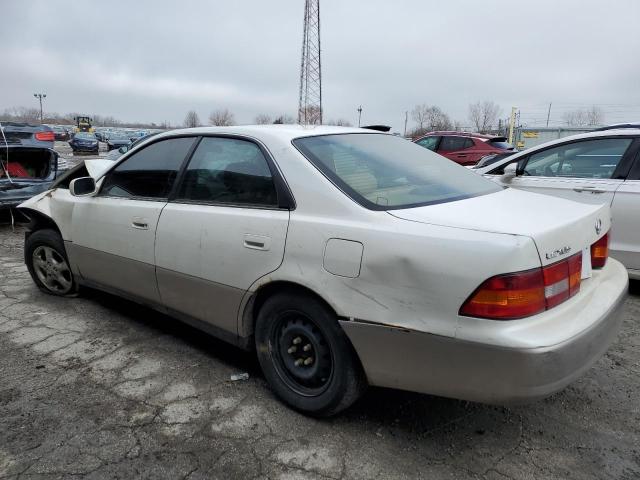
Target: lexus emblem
x=598 y=226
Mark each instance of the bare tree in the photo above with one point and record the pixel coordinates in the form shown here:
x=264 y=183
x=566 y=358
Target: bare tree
x=483 y=115
x=588 y=117
x=221 y=118
x=340 y=122
x=191 y=119
x=262 y=119
x=284 y=119
x=429 y=118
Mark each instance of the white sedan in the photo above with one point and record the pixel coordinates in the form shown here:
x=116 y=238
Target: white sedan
x=597 y=167
x=344 y=257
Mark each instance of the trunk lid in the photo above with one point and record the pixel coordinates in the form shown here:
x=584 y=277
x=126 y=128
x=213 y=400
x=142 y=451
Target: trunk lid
x=559 y=227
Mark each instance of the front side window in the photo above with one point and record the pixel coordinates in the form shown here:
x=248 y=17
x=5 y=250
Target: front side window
x=383 y=172
x=586 y=159
x=150 y=172
x=429 y=142
x=229 y=171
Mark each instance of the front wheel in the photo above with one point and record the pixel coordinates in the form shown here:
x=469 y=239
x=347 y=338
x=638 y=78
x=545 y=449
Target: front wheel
x=48 y=265
x=306 y=356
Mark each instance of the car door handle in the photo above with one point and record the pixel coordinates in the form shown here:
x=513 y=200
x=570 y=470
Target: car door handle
x=594 y=190
x=461 y=155
x=140 y=223
x=257 y=242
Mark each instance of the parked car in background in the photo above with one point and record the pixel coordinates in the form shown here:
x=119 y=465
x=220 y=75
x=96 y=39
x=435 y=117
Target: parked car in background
x=117 y=140
x=344 y=257
x=117 y=153
x=464 y=148
x=60 y=134
x=25 y=172
x=25 y=134
x=600 y=167
x=84 y=142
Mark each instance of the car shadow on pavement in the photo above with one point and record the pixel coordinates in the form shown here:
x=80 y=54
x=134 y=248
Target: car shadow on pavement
x=160 y=323
x=379 y=405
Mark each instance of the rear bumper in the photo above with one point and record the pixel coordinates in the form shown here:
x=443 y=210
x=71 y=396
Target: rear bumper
x=450 y=367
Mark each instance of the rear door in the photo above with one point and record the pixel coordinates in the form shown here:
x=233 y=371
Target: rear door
x=113 y=233
x=459 y=149
x=625 y=210
x=587 y=171
x=225 y=228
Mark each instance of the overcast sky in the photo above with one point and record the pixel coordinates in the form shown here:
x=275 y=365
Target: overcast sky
x=155 y=60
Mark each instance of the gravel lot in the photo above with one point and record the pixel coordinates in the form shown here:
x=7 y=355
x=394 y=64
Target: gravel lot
x=97 y=387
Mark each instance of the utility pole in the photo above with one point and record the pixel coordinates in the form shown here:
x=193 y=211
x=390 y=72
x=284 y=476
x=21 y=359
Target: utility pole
x=40 y=96
x=406 y=118
x=359 y=114
x=512 y=121
x=548 y=114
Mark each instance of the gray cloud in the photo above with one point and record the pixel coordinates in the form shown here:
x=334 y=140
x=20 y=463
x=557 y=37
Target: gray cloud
x=153 y=61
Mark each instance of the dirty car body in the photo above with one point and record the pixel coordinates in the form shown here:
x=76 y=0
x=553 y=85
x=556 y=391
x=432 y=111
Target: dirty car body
x=25 y=172
x=333 y=250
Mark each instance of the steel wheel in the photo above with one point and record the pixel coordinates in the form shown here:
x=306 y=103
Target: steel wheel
x=301 y=354
x=52 y=270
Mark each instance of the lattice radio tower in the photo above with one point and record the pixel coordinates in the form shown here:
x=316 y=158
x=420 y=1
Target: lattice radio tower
x=310 y=103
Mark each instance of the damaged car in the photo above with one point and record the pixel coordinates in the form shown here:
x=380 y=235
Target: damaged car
x=344 y=258
x=25 y=172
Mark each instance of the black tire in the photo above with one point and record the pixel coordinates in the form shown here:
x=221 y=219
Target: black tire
x=48 y=265
x=333 y=380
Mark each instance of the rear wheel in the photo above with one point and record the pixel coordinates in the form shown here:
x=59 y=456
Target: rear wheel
x=305 y=355
x=48 y=265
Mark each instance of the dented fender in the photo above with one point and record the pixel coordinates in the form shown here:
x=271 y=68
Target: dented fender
x=56 y=205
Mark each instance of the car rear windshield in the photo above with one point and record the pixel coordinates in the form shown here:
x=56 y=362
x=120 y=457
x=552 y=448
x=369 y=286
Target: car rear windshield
x=500 y=144
x=385 y=172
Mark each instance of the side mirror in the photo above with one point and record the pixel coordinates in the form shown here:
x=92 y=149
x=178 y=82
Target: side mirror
x=510 y=171
x=82 y=187
x=123 y=149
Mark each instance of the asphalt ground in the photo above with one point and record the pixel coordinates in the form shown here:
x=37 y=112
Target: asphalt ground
x=99 y=387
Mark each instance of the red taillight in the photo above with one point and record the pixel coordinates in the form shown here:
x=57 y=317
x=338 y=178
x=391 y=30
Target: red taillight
x=600 y=252
x=45 y=136
x=522 y=294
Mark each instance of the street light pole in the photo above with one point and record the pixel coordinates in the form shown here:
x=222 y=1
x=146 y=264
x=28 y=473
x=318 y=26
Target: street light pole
x=40 y=96
x=359 y=114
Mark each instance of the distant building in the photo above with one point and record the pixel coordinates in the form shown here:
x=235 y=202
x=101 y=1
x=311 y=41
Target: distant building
x=526 y=137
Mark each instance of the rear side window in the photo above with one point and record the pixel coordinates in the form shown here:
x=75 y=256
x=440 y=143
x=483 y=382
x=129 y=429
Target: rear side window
x=150 y=172
x=450 y=144
x=586 y=159
x=500 y=144
x=228 y=171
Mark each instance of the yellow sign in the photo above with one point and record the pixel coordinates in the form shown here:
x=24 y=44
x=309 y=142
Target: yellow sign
x=530 y=134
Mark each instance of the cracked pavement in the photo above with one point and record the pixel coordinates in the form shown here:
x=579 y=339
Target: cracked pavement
x=98 y=387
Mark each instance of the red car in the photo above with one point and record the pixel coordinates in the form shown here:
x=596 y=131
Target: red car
x=464 y=148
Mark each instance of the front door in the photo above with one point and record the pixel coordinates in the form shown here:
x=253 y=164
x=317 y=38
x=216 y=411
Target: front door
x=113 y=233
x=225 y=229
x=583 y=171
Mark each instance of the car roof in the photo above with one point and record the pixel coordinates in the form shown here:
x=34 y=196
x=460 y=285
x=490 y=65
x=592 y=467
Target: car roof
x=621 y=132
x=282 y=132
x=461 y=134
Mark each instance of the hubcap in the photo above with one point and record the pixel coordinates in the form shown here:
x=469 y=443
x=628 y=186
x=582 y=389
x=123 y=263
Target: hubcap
x=52 y=269
x=303 y=357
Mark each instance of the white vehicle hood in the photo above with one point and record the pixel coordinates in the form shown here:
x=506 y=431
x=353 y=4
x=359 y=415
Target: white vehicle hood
x=553 y=223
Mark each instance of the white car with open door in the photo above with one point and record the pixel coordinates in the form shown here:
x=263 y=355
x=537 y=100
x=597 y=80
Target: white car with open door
x=344 y=257
x=601 y=167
